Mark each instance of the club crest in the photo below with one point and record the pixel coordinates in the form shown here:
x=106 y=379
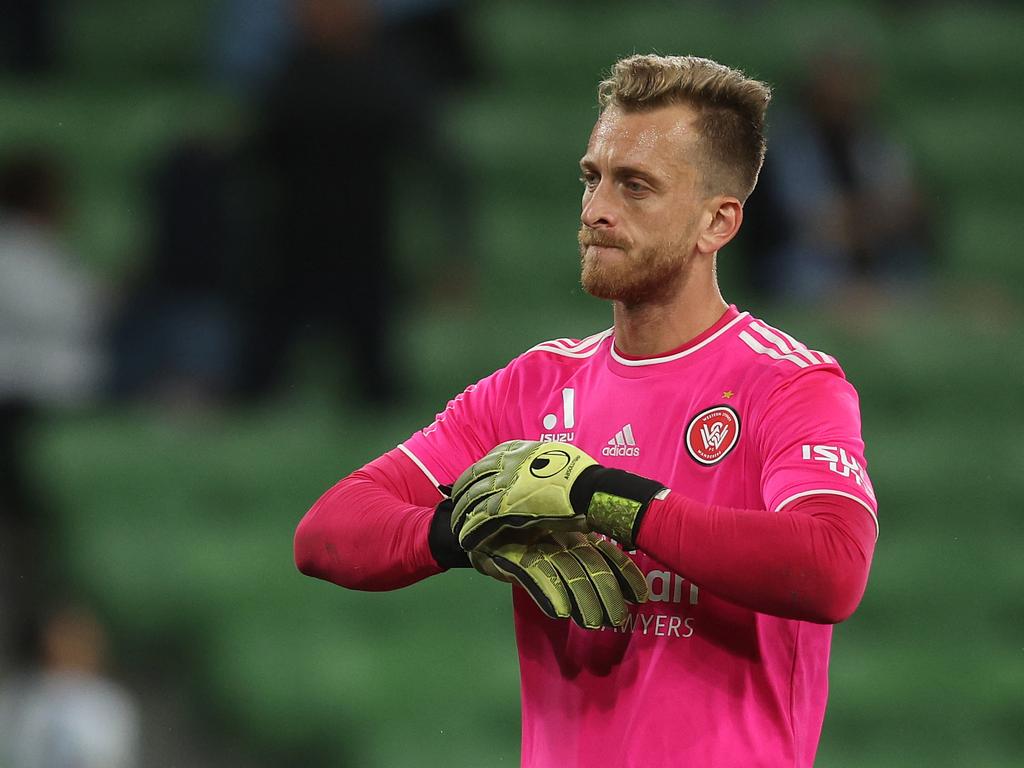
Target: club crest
x=712 y=433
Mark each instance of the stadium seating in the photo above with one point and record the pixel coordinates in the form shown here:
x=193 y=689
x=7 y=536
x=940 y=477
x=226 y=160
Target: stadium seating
x=182 y=531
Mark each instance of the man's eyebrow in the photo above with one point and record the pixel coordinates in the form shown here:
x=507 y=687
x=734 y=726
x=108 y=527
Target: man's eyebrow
x=624 y=171
x=621 y=170
x=632 y=170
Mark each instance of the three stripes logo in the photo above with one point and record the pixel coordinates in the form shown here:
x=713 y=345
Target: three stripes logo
x=779 y=345
x=623 y=444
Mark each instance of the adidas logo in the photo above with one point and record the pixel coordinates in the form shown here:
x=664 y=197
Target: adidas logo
x=623 y=444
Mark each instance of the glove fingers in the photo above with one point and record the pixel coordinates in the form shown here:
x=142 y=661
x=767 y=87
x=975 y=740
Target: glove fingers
x=467 y=503
x=537 y=576
x=477 y=484
x=476 y=481
x=568 y=575
x=588 y=609
x=601 y=573
x=631 y=579
x=481 y=530
x=488 y=464
x=473 y=525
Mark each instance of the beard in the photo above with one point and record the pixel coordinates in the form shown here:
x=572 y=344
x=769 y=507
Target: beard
x=638 y=276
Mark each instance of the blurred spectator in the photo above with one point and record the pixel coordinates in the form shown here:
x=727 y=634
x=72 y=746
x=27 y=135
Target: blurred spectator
x=29 y=36
x=62 y=711
x=434 y=38
x=332 y=125
x=251 y=39
x=50 y=315
x=174 y=336
x=49 y=306
x=837 y=212
x=432 y=34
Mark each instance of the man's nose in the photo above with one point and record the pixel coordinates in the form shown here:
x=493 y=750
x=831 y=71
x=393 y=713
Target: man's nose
x=598 y=207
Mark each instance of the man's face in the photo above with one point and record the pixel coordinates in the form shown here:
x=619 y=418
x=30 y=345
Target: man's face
x=641 y=203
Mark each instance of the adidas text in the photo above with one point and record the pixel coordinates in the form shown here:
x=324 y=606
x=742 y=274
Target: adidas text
x=620 y=450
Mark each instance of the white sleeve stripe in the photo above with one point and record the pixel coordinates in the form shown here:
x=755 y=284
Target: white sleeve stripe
x=564 y=343
x=562 y=352
x=755 y=345
x=830 y=492
x=594 y=338
x=419 y=464
x=574 y=350
x=780 y=342
x=796 y=343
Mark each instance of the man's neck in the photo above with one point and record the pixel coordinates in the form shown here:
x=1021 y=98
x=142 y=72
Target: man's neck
x=645 y=330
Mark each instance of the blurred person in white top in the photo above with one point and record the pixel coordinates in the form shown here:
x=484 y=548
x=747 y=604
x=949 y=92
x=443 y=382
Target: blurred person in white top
x=64 y=712
x=50 y=309
x=50 y=355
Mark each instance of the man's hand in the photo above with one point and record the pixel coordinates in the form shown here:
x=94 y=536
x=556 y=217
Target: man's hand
x=551 y=486
x=517 y=485
x=568 y=575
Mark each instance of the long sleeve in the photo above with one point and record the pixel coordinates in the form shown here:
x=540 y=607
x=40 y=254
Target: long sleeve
x=370 y=531
x=809 y=561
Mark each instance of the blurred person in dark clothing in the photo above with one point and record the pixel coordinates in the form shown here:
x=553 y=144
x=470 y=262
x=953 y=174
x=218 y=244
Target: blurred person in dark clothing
x=838 y=213
x=30 y=36
x=434 y=37
x=344 y=108
x=250 y=39
x=174 y=335
x=62 y=710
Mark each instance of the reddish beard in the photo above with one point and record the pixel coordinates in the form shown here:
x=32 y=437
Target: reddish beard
x=639 y=276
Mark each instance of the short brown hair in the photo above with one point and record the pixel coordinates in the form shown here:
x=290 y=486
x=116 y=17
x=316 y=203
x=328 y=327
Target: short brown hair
x=730 y=110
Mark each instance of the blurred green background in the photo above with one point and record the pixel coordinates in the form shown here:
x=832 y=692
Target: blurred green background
x=179 y=526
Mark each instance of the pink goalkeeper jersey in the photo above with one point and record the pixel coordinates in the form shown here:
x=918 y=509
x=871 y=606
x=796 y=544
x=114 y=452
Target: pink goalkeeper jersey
x=692 y=680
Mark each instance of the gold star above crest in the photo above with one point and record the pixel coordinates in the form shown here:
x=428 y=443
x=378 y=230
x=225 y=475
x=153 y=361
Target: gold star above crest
x=728 y=393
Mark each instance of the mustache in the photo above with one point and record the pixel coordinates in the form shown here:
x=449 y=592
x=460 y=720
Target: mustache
x=587 y=236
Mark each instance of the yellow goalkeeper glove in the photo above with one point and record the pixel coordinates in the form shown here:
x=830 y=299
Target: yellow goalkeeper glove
x=568 y=575
x=524 y=484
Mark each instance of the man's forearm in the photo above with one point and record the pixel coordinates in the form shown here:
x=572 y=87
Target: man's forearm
x=365 y=533
x=808 y=562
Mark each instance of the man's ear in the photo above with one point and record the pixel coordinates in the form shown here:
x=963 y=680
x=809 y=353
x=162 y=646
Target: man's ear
x=724 y=216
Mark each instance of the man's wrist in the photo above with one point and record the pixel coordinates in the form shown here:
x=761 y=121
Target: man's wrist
x=444 y=545
x=614 y=501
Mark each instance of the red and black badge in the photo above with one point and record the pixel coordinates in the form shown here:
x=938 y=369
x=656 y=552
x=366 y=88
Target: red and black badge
x=712 y=433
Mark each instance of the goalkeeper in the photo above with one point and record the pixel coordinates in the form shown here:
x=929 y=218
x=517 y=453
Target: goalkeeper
x=683 y=498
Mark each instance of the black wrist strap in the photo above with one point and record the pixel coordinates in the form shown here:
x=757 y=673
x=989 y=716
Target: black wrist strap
x=625 y=498
x=444 y=546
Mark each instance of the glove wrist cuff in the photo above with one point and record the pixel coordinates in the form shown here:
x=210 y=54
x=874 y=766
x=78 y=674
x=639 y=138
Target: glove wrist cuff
x=614 y=501
x=444 y=546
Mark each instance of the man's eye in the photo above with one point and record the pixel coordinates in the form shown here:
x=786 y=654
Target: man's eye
x=589 y=180
x=635 y=186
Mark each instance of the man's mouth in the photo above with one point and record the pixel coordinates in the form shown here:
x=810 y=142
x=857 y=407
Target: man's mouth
x=601 y=243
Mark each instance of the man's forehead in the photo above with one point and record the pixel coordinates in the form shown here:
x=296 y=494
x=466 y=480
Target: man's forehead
x=654 y=136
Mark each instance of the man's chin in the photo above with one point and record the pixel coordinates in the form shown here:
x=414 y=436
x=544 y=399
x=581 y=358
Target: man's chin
x=603 y=286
